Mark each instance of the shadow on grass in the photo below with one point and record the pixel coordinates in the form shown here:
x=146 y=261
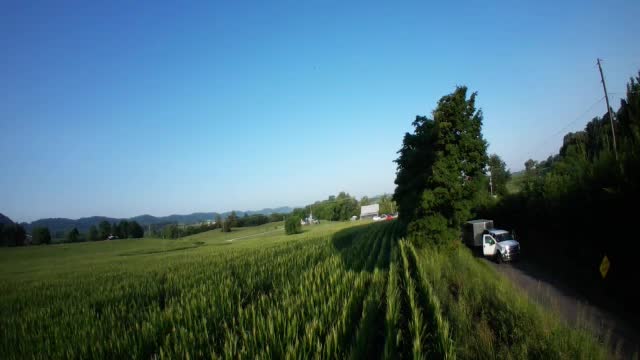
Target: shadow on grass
x=158 y=251
x=366 y=247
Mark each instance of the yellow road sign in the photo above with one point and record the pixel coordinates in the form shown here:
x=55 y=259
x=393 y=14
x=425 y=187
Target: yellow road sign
x=604 y=266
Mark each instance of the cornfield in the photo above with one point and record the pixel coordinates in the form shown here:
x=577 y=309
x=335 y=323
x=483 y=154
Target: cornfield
x=357 y=293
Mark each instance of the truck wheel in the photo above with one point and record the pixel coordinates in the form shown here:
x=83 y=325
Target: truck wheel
x=499 y=258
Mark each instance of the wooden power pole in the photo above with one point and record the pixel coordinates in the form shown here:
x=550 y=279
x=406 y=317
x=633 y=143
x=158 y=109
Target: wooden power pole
x=606 y=97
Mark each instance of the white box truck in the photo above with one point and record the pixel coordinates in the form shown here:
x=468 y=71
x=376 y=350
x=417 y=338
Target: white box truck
x=495 y=243
x=473 y=231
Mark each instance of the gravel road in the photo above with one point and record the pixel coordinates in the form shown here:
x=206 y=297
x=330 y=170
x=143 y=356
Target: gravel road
x=624 y=339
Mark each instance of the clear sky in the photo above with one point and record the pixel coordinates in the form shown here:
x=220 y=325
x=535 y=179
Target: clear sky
x=125 y=108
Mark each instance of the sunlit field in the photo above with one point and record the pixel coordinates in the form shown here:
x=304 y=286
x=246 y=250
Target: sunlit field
x=337 y=290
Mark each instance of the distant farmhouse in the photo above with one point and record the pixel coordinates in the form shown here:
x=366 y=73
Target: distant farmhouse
x=369 y=211
x=309 y=220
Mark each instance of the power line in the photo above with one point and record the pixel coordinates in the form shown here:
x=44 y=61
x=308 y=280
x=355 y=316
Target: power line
x=564 y=128
x=579 y=117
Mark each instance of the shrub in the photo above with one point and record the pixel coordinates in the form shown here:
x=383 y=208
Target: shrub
x=293 y=226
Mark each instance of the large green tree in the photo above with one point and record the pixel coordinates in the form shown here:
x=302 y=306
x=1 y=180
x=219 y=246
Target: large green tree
x=226 y=226
x=387 y=205
x=441 y=168
x=93 y=233
x=73 y=235
x=135 y=230
x=13 y=235
x=293 y=225
x=232 y=219
x=124 y=229
x=365 y=201
x=171 y=231
x=104 y=229
x=499 y=174
x=116 y=230
x=41 y=235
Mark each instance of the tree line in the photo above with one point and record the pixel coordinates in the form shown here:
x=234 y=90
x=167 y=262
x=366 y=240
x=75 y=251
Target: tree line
x=336 y=208
x=12 y=235
x=343 y=206
x=582 y=200
x=574 y=208
x=15 y=234
x=175 y=231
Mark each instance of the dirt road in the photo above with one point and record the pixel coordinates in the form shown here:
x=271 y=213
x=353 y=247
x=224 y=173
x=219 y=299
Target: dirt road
x=624 y=339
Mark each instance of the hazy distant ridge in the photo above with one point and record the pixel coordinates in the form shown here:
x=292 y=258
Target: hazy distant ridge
x=83 y=224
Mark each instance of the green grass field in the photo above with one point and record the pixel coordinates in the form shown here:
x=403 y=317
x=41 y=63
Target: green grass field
x=338 y=290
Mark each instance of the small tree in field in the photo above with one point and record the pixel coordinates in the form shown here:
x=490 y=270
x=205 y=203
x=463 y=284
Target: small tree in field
x=292 y=225
x=73 y=235
x=226 y=226
x=93 y=233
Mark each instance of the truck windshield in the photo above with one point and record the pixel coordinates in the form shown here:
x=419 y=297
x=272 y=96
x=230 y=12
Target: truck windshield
x=503 y=237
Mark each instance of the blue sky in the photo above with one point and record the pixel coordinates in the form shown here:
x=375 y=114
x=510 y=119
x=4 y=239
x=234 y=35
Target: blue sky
x=126 y=108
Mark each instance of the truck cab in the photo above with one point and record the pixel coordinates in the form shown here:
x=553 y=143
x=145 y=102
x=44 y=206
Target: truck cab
x=500 y=245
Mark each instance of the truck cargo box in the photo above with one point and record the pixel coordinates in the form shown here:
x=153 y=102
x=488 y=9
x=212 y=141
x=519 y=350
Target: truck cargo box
x=472 y=231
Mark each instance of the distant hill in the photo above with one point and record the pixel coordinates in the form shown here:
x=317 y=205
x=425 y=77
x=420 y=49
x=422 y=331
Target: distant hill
x=63 y=224
x=5 y=220
x=83 y=224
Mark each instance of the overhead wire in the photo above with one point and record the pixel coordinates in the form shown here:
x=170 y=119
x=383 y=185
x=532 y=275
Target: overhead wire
x=564 y=128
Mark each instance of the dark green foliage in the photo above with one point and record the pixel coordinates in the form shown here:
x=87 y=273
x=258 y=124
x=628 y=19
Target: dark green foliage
x=584 y=198
x=12 y=235
x=116 y=230
x=440 y=169
x=92 y=235
x=232 y=219
x=171 y=232
x=387 y=205
x=135 y=230
x=174 y=231
x=335 y=208
x=255 y=220
x=292 y=225
x=104 y=230
x=365 y=201
x=300 y=213
x=226 y=226
x=275 y=217
x=124 y=229
x=20 y=235
x=73 y=235
x=499 y=174
x=41 y=235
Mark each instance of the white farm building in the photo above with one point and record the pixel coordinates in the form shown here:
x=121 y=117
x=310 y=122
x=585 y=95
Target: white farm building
x=369 y=211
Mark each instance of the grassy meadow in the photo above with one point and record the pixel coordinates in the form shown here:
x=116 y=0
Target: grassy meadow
x=338 y=290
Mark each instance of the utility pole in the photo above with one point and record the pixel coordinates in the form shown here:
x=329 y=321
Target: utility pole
x=606 y=97
x=491 y=183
